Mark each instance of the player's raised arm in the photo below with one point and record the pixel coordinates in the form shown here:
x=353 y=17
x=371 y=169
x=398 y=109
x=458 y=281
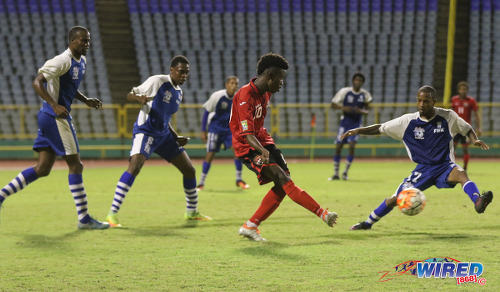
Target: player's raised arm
x=370 y=130
x=40 y=89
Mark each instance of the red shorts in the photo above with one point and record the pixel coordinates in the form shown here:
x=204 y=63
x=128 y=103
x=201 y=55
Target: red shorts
x=275 y=158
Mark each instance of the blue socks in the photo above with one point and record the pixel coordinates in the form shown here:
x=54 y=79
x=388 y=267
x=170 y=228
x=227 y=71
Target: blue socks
x=18 y=183
x=122 y=188
x=204 y=172
x=79 y=196
x=471 y=189
x=191 y=194
x=378 y=213
x=239 y=167
x=336 y=164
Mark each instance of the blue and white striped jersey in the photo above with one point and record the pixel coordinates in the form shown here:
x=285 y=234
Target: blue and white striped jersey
x=219 y=108
x=348 y=97
x=63 y=74
x=428 y=142
x=155 y=115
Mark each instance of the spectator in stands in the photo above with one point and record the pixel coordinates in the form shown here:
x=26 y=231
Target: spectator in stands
x=463 y=105
x=354 y=102
x=256 y=149
x=57 y=84
x=216 y=119
x=160 y=96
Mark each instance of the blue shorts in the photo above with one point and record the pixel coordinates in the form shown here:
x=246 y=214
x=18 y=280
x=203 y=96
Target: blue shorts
x=166 y=146
x=425 y=176
x=344 y=128
x=57 y=134
x=216 y=139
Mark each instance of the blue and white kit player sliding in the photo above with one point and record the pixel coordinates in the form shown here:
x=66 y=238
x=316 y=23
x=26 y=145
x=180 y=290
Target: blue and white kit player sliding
x=428 y=138
x=216 y=119
x=57 y=84
x=160 y=96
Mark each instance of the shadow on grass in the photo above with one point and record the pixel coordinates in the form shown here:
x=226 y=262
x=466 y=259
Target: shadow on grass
x=207 y=224
x=44 y=241
x=270 y=250
x=414 y=236
x=156 y=231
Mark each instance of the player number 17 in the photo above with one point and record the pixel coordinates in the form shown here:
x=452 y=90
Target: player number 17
x=414 y=176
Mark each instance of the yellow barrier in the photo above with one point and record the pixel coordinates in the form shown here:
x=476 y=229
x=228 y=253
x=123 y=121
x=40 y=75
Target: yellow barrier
x=94 y=124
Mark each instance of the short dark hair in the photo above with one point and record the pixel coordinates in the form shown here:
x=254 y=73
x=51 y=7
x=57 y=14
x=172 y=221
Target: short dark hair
x=74 y=31
x=428 y=89
x=178 y=59
x=228 y=78
x=463 y=83
x=271 y=60
x=360 y=75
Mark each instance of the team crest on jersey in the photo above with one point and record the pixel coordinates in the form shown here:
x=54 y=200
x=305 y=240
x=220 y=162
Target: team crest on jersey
x=167 y=96
x=439 y=128
x=224 y=105
x=419 y=133
x=244 y=125
x=75 y=73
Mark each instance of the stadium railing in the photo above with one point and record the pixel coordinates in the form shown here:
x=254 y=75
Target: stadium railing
x=295 y=133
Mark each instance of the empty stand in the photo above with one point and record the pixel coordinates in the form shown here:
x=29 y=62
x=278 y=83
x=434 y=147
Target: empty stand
x=32 y=32
x=392 y=42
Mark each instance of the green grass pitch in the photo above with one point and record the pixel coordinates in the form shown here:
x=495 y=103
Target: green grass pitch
x=41 y=249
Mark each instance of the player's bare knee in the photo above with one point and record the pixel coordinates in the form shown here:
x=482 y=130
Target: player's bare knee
x=189 y=171
x=42 y=170
x=76 y=167
x=134 y=167
x=281 y=178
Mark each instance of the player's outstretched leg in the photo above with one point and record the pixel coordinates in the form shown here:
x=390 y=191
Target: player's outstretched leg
x=269 y=203
x=458 y=175
x=480 y=201
x=383 y=209
x=122 y=187
x=239 y=181
x=18 y=183
x=483 y=201
x=302 y=198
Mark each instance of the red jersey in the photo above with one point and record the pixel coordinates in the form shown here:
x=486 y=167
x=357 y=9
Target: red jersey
x=464 y=106
x=247 y=118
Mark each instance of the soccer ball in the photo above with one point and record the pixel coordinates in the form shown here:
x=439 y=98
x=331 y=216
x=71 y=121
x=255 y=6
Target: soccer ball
x=411 y=201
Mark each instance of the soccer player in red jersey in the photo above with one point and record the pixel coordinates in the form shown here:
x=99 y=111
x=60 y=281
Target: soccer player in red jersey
x=464 y=105
x=256 y=149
